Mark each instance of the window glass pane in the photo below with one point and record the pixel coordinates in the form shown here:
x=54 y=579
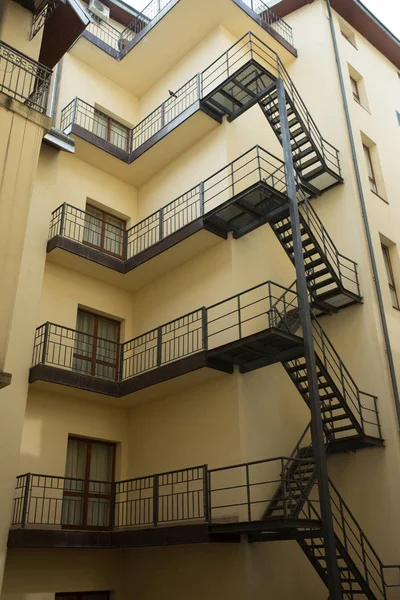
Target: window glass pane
x=93 y=226
x=100 y=124
x=101 y=462
x=76 y=462
x=113 y=235
x=118 y=135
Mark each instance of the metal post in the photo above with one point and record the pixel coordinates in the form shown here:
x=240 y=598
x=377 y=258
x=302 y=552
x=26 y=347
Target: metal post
x=155 y=500
x=26 y=500
x=205 y=493
x=317 y=432
x=160 y=224
x=204 y=327
x=45 y=339
x=62 y=224
x=113 y=503
x=159 y=346
x=201 y=196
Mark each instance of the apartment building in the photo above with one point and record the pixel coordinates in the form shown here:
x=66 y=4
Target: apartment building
x=161 y=170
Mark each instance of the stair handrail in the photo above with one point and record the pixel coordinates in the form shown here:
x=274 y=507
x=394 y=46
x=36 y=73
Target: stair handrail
x=364 y=543
x=349 y=389
x=279 y=315
x=309 y=121
x=329 y=247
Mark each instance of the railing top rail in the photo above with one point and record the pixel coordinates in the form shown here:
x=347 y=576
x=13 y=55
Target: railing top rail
x=109 y=482
x=192 y=312
x=355 y=521
x=268 y=282
x=259 y=462
x=76 y=209
x=47 y=70
x=49 y=323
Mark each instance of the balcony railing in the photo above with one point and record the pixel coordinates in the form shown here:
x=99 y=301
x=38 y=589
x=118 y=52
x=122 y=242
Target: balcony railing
x=256 y=309
x=255 y=166
x=200 y=87
x=86 y=116
x=120 y=40
x=23 y=79
x=238 y=493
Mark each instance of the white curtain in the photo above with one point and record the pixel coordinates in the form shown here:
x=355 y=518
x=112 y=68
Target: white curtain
x=100 y=470
x=93 y=226
x=103 y=231
x=84 y=344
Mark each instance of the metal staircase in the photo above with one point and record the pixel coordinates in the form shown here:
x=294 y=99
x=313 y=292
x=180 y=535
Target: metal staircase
x=332 y=278
x=350 y=416
x=246 y=75
x=362 y=573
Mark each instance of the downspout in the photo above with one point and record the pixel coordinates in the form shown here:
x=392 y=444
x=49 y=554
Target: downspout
x=54 y=92
x=365 y=219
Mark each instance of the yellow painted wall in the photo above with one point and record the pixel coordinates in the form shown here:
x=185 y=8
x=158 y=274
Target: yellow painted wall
x=16 y=30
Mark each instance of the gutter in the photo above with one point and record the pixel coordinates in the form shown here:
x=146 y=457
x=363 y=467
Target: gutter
x=378 y=291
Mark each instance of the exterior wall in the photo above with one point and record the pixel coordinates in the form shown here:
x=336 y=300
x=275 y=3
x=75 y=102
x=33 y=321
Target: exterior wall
x=16 y=30
x=22 y=130
x=229 y=419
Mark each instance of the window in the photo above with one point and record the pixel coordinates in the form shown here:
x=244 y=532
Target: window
x=348 y=34
x=86 y=499
x=389 y=273
x=84 y=596
x=398 y=116
x=104 y=231
x=370 y=169
x=111 y=130
x=96 y=349
x=354 y=88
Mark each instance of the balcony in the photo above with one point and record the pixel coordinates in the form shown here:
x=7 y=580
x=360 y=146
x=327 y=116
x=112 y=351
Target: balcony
x=245 y=330
x=241 y=77
x=118 y=54
x=191 y=505
x=250 y=330
x=135 y=155
x=24 y=79
x=243 y=195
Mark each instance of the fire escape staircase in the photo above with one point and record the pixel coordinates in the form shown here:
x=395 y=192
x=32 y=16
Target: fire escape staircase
x=316 y=161
x=361 y=571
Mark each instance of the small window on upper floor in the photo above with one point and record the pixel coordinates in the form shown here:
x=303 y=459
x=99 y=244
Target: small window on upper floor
x=389 y=272
x=398 y=116
x=373 y=167
x=358 y=88
x=370 y=169
x=347 y=33
x=104 y=231
x=354 y=87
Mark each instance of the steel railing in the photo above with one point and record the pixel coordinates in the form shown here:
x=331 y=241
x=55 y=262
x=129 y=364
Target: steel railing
x=255 y=166
x=357 y=546
x=23 y=78
x=120 y=40
x=106 y=33
x=250 y=47
x=196 y=494
x=200 y=87
x=265 y=306
x=42 y=14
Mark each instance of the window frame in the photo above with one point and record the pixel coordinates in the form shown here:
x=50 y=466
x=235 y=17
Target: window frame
x=391 y=279
x=109 y=121
x=78 y=595
x=95 y=337
x=370 y=167
x=356 y=92
x=102 y=247
x=86 y=494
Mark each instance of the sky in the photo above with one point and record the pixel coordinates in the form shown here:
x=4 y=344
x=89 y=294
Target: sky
x=387 y=11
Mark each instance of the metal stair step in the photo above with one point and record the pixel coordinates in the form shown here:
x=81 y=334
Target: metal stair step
x=310 y=162
x=302 y=154
x=314 y=173
x=345 y=428
x=322 y=284
x=325 y=409
x=329 y=396
x=297 y=368
x=316 y=274
x=335 y=419
x=304 y=378
x=314 y=263
x=277 y=121
x=299 y=144
x=282 y=228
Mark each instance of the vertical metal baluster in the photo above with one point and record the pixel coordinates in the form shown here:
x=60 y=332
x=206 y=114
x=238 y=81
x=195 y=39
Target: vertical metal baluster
x=159 y=346
x=26 y=500
x=201 y=197
x=239 y=318
x=155 y=500
x=45 y=342
x=248 y=493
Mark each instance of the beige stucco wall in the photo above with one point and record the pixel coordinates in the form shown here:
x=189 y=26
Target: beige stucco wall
x=231 y=418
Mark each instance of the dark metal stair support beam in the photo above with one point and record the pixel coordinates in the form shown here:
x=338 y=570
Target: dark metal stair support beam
x=317 y=433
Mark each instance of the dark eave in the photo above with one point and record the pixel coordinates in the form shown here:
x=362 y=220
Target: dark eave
x=359 y=17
